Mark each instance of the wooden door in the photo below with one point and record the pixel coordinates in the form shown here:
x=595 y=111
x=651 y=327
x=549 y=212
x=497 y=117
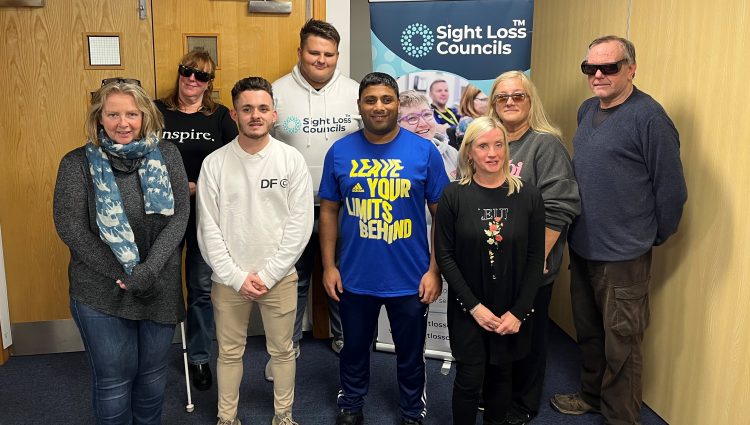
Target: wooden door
x=45 y=92
x=248 y=44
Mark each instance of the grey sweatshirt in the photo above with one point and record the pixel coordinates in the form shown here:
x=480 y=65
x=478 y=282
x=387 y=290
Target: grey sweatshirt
x=541 y=160
x=155 y=287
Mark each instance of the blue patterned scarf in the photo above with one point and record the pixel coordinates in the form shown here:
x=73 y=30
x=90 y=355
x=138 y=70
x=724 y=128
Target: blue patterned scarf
x=114 y=228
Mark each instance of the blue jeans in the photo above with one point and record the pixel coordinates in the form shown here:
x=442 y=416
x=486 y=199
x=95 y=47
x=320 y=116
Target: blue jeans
x=305 y=266
x=128 y=360
x=200 y=312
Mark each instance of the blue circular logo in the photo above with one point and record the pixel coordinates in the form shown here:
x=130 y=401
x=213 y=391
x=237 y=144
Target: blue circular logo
x=292 y=124
x=417 y=40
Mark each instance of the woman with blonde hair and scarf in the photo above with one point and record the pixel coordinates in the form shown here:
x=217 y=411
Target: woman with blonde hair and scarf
x=121 y=206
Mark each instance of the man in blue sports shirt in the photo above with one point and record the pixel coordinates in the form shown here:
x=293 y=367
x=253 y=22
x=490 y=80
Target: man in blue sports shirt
x=379 y=179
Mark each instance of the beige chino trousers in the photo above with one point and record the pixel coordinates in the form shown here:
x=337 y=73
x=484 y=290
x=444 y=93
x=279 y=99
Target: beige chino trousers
x=278 y=308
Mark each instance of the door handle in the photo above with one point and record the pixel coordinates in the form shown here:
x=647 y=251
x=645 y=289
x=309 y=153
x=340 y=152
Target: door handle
x=142 y=9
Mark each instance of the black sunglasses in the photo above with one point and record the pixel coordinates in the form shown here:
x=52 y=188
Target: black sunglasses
x=605 y=68
x=202 y=76
x=120 y=80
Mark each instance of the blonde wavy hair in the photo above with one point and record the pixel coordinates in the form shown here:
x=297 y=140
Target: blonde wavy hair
x=538 y=120
x=476 y=129
x=153 y=121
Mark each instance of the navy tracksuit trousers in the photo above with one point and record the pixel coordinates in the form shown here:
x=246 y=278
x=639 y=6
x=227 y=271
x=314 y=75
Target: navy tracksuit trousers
x=408 y=319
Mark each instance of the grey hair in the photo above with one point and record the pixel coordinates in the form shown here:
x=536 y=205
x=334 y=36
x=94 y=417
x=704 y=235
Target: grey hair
x=627 y=46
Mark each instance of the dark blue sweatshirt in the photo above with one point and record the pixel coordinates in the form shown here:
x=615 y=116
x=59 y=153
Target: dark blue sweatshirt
x=630 y=179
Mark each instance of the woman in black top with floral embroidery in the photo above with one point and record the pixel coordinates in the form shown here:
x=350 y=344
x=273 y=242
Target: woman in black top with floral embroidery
x=489 y=244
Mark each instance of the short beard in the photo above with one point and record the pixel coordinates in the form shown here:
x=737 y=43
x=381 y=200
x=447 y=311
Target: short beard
x=254 y=137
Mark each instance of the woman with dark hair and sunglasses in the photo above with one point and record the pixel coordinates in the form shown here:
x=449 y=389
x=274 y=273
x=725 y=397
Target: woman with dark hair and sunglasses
x=198 y=126
x=121 y=206
x=538 y=157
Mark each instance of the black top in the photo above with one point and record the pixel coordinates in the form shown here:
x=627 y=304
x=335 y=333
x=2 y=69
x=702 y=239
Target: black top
x=197 y=135
x=490 y=249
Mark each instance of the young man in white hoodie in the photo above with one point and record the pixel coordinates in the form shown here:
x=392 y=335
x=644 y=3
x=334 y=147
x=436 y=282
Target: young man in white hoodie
x=255 y=216
x=316 y=106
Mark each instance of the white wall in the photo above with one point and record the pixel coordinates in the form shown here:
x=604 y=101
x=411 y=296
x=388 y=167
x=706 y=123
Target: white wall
x=4 y=313
x=337 y=13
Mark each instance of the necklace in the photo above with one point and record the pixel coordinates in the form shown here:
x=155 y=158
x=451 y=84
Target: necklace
x=191 y=109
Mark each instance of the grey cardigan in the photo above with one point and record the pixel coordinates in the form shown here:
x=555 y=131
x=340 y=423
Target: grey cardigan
x=155 y=287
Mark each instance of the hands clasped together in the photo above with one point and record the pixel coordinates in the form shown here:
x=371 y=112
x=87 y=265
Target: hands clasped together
x=504 y=325
x=253 y=287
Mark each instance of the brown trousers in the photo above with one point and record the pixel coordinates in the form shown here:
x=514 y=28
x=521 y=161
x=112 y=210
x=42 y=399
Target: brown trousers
x=611 y=312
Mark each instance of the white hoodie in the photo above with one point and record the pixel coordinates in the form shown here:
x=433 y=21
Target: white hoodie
x=254 y=212
x=311 y=120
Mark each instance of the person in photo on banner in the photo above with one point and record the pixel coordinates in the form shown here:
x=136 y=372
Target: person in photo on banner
x=416 y=116
x=316 y=105
x=379 y=180
x=626 y=157
x=474 y=104
x=537 y=157
x=197 y=125
x=121 y=205
x=489 y=244
x=255 y=216
x=445 y=116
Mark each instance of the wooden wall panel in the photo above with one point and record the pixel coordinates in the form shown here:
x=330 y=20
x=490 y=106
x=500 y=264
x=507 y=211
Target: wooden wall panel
x=562 y=33
x=46 y=91
x=701 y=333
x=691 y=58
x=319 y=9
x=249 y=44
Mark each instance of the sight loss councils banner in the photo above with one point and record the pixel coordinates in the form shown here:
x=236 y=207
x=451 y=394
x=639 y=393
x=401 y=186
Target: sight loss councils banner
x=459 y=42
x=473 y=39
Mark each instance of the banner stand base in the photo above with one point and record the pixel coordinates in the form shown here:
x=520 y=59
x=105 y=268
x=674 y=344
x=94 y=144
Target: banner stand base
x=433 y=354
x=446 y=368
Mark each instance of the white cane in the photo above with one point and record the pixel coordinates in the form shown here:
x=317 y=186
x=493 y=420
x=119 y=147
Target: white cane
x=189 y=407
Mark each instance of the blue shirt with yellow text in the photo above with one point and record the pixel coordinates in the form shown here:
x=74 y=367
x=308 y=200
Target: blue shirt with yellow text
x=382 y=189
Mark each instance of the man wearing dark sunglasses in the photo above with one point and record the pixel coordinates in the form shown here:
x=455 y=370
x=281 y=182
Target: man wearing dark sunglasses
x=627 y=163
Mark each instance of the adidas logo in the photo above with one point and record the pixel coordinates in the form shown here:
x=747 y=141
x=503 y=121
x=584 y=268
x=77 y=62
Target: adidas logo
x=358 y=189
